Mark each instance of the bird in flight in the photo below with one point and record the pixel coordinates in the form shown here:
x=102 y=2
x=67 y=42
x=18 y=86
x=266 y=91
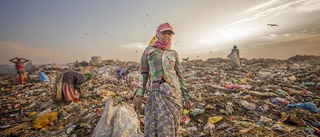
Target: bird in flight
x=273 y=25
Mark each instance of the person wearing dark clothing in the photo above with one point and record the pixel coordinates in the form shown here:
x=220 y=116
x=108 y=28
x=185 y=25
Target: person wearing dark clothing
x=68 y=84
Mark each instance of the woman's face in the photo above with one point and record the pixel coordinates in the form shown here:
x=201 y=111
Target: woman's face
x=166 y=36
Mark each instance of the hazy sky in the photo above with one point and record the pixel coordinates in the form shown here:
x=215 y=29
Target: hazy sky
x=61 y=31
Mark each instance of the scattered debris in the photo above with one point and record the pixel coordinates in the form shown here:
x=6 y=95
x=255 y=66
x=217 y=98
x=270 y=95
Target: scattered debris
x=265 y=97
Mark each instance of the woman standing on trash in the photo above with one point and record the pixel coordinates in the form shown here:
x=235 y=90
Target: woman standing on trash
x=19 y=63
x=236 y=51
x=21 y=78
x=160 y=64
x=235 y=57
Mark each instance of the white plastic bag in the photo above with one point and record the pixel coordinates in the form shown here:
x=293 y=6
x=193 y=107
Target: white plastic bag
x=118 y=121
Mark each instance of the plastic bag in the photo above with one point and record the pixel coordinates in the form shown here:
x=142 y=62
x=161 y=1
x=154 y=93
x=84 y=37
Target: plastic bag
x=197 y=111
x=215 y=119
x=307 y=106
x=43 y=77
x=45 y=119
x=118 y=121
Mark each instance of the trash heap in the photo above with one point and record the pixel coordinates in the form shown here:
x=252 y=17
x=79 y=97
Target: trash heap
x=28 y=110
x=265 y=97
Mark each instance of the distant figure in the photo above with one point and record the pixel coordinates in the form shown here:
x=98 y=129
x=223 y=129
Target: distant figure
x=19 y=63
x=42 y=76
x=235 y=50
x=21 y=78
x=123 y=74
x=234 y=56
x=186 y=59
x=67 y=85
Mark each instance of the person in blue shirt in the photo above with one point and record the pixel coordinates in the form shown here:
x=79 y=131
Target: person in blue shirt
x=123 y=74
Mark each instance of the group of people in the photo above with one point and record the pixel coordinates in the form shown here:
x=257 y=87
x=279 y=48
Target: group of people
x=71 y=80
x=160 y=68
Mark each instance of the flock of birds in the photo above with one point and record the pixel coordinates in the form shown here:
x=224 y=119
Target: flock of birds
x=178 y=43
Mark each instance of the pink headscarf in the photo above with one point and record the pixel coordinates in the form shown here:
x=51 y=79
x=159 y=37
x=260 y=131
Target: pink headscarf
x=159 y=43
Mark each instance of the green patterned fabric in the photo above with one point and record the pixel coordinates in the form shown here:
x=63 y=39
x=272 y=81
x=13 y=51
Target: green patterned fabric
x=162 y=69
x=156 y=64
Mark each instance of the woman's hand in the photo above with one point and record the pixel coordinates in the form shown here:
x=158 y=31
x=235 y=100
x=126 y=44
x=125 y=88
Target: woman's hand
x=137 y=104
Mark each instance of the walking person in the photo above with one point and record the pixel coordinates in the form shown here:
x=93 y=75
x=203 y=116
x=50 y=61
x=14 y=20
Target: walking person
x=234 y=57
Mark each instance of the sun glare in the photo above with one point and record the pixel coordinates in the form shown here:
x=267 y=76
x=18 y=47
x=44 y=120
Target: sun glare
x=202 y=41
x=231 y=34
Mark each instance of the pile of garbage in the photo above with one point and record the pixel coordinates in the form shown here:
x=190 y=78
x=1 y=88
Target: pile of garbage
x=265 y=97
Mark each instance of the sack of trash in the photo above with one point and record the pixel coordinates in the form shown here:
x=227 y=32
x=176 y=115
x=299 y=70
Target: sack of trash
x=57 y=94
x=118 y=120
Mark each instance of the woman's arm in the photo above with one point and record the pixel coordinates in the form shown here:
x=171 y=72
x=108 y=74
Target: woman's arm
x=11 y=60
x=24 y=60
x=144 y=74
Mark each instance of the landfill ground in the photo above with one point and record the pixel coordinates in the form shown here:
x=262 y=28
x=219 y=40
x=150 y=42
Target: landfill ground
x=264 y=98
